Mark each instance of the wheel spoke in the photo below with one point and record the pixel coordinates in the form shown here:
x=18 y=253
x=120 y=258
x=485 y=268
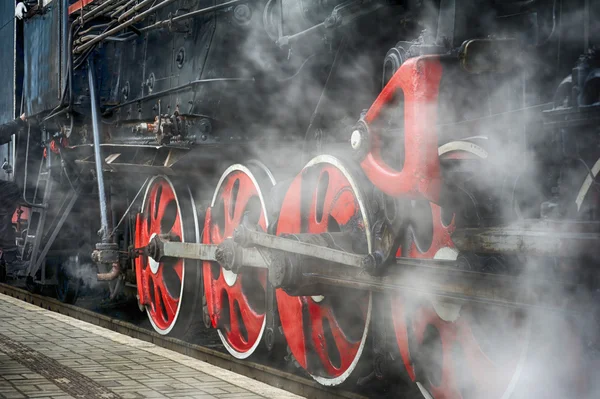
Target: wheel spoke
x=161 y=286
x=178 y=267
x=245 y=193
x=240 y=323
x=336 y=336
x=169 y=303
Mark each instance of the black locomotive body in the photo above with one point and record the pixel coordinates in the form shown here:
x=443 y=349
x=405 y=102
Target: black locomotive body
x=366 y=188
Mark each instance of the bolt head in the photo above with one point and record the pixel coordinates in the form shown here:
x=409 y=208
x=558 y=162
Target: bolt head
x=356 y=140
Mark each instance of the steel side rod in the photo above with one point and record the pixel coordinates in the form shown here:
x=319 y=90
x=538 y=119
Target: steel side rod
x=246 y=238
x=433 y=279
x=161 y=247
x=439 y=280
x=244 y=246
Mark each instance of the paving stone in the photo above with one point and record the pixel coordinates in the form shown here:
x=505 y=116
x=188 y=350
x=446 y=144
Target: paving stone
x=83 y=356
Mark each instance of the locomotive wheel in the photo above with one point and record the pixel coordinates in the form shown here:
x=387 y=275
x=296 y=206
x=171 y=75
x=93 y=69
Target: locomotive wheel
x=326 y=334
x=236 y=303
x=169 y=290
x=453 y=349
x=587 y=196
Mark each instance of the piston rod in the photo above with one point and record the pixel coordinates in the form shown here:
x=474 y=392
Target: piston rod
x=546 y=238
x=428 y=279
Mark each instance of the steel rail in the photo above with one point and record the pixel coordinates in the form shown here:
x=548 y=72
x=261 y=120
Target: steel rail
x=268 y=375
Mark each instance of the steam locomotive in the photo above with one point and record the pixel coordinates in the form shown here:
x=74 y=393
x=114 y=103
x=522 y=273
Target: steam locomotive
x=373 y=190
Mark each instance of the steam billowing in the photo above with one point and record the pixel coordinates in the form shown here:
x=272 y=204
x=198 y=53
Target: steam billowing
x=534 y=354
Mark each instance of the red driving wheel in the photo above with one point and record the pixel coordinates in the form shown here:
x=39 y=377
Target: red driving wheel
x=464 y=350
x=326 y=334
x=169 y=290
x=237 y=302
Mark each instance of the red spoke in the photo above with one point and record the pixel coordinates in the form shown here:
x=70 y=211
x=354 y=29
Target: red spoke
x=294 y=331
x=156 y=212
x=346 y=349
x=251 y=319
x=238 y=342
x=245 y=192
x=166 y=299
x=178 y=267
x=336 y=201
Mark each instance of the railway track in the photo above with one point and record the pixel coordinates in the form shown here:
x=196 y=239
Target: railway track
x=272 y=376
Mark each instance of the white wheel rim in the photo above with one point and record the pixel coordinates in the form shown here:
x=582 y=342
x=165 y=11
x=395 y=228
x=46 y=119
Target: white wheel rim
x=229 y=276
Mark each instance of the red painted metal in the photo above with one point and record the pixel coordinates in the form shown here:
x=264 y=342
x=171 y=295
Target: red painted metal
x=303 y=318
x=20 y=215
x=418 y=79
x=152 y=288
x=78 y=6
x=227 y=304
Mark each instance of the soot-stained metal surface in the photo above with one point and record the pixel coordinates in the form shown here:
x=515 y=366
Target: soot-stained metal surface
x=41 y=85
x=7 y=61
x=67 y=379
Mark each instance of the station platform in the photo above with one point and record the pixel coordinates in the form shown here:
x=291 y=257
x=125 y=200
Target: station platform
x=44 y=354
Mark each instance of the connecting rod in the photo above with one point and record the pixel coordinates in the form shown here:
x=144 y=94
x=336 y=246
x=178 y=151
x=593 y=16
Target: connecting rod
x=303 y=271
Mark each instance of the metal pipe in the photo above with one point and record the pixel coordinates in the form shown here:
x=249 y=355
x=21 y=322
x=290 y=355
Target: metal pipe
x=193 y=14
x=112 y=274
x=134 y=9
x=97 y=153
x=93 y=27
x=87 y=38
x=64 y=44
x=96 y=11
x=178 y=88
x=120 y=8
x=30 y=204
x=117 y=5
x=119 y=28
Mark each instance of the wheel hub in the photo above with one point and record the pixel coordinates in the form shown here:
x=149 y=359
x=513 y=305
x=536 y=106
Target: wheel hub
x=154 y=265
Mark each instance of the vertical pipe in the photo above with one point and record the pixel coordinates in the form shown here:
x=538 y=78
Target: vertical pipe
x=586 y=26
x=97 y=152
x=64 y=47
